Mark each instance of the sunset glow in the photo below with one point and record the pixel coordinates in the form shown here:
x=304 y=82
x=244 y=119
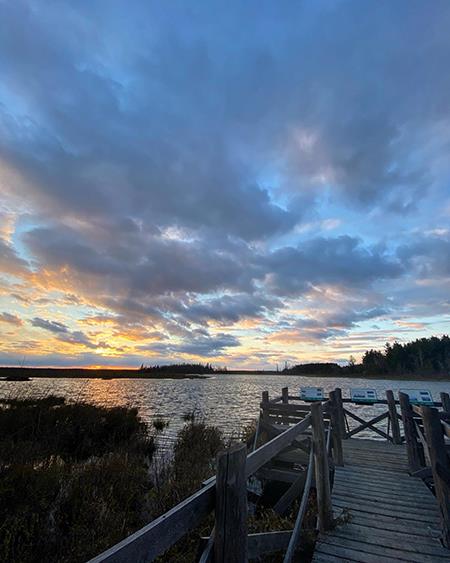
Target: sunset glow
x=245 y=184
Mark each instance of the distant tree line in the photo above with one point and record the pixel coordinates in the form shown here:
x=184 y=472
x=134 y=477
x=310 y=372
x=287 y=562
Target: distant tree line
x=188 y=369
x=313 y=369
x=425 y=356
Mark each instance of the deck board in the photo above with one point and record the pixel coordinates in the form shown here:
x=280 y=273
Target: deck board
x=383 y=514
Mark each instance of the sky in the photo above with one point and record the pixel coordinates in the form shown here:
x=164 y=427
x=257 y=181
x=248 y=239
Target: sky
x=240 y=183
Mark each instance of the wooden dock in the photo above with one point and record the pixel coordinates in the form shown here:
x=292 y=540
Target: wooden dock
x=382 y=513
x=375 y=500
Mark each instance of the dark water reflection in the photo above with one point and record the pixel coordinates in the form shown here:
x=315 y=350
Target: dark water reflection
x=228 y=401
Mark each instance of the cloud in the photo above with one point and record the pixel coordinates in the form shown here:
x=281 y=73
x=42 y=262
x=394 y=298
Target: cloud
x=52 y=326
x=429 y=256
x=342 y=260
x=200 y=344
x=10 y=318
x=63 y=333
x=154 y=171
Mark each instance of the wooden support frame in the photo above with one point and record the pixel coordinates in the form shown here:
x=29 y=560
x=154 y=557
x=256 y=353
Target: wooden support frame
x=440 y=467
x=367 y=424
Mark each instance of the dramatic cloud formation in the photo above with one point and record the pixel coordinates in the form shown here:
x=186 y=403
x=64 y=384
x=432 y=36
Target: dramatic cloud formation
x=244 y=182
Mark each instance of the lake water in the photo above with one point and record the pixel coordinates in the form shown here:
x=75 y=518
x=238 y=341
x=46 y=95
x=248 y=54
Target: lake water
x=227 y=401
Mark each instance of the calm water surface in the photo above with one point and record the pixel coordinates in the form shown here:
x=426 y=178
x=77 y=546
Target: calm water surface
x=227 y=401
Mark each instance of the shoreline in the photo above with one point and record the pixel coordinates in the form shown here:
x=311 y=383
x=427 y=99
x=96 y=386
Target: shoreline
x=24 y=374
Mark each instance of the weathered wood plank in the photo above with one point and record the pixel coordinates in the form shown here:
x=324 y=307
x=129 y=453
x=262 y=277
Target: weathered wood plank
x=376 y=502
x=374 y=508
x=230 y=542
x=378 y=550
x=380 y=523
x=322 y=472
x=155 y=538
x=347 y=554
x=362 y=489
x=395 y=540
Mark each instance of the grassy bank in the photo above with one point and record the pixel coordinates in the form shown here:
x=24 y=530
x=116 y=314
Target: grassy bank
x=28 y=373
x=76 y=478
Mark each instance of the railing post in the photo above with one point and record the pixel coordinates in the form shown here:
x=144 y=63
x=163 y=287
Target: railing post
x=440 y=466
x=265 y=396
x=340 y=412
x=338 y=455
x=412 y=446
x=230 y=545
x=285 y=395
x=322 y=471
x=445 y=400
x=395 y=426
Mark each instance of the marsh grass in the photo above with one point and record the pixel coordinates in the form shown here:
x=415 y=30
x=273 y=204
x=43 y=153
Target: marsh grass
x=75 y=479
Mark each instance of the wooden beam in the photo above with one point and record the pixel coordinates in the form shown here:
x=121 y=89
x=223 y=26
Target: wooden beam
x=340 y=412
x=395 y=427
x=440 y=466
x=208 y=551
x=155 y=538
x=445 y=400
x=270 y=449
x=367 y=424
x=284 y=502
x=285 y=395
x=295 y=537
x=336 y=430
x=322 y=471
x=412 y=446
x=230 y=543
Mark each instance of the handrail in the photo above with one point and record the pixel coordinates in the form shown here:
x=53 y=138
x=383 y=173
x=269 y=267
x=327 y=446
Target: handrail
x=301 y=511
x=159 y=535
x=432 y=439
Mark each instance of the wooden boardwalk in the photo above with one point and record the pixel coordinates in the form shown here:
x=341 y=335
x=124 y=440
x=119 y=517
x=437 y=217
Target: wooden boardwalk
x=383 y=513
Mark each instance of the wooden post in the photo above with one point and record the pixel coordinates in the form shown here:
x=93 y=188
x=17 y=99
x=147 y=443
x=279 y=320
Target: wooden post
x=322 y=471
x=230 y=544
x=265 y=396
x=440 y=466
x=445 y=400
x=340 y=412
x=412 y=445
x=338 y=455
x=285 y=395
x=396 y=436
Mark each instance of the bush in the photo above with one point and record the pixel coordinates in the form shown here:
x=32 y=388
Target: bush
x=73 y=479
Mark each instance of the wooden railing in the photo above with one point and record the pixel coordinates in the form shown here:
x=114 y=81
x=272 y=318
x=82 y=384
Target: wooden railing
x=227 y=492
x=316 y=432
x=427 y=434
